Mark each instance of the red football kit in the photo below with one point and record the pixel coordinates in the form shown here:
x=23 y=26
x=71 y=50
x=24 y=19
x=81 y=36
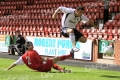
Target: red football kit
x=34 y=61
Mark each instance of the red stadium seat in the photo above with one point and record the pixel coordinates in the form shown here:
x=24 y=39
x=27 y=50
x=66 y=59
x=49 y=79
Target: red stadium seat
x=119 y=6
x=59 y=22
x=23 y=28
x=31 y=30
x=38 y=31
x=115 y=24
x=41 y=31
x=115 y=8
x=46 y=33
x=47 y=22
x=80 y=24
x=54 y=31
x=50 y=31
x=24 y=33
x=35 y=11
x=101 y=14
x=3 y=28
x=84 y=31
x=90 y=36
x=58 y=32
x=106 y=25
x=14 y=28
x=7 y=33
x=105 y=34
x=97 y=10
x=39 y=18
x=27 y=29
x=89 y=33
x=110 y=34
x=95 y=33
x=60 y=16
x=1 y=32
x=40 y=22
x=7 y=28
x=55 y=22
x=100 y=34
x=51 y=22
x=10 y=28
x=88 y=30
x=36 y=22
x=34 y=31
x=77 y=27
x=116 y=17
x=111 y=4
x=115 y=34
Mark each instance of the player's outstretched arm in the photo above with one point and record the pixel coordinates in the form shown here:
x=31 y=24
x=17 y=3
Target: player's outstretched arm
x=63 y=10
x=96 y=27
x=55 y=13
x=13 y=65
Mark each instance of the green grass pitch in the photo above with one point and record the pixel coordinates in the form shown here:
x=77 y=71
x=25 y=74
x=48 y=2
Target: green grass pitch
x=22 y=72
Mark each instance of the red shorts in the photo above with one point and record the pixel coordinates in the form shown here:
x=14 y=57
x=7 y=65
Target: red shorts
x=46 y=66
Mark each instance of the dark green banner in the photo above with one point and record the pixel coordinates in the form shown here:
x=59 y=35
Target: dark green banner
x=7 y=40
x=102 y=44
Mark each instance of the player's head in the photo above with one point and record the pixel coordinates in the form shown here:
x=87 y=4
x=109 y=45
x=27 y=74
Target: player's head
x=29 y=45
x=79 y=11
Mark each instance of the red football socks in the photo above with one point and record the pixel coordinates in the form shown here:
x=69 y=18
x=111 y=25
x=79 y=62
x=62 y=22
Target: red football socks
x=55 y=66
x=65 y=56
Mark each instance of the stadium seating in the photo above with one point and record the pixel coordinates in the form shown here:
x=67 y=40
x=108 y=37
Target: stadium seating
x=34 y=17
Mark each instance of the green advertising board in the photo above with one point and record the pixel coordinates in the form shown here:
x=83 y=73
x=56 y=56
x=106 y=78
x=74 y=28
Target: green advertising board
x=14 y=39
x=7 y=40
x=103 y=44
x=10 y=40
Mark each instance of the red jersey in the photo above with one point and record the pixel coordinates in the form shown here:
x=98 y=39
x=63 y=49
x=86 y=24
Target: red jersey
x=32 y=59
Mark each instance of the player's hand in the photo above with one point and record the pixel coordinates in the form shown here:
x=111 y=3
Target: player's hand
x=6 y=69
x=96 y=27
x=54 y=16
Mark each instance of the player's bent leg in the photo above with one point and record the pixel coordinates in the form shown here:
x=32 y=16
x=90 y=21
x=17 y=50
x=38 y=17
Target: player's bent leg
x=66 y=71
x=75 y=49
x=63 y=57
x=57 y=67
x=50 y=62
x=72 y=38
x=55 y=60
x=83 y=39
x=72 y=53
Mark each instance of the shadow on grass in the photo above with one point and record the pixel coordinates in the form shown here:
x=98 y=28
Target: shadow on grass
x=82 y=72
x=66 y=72
x=110 y=76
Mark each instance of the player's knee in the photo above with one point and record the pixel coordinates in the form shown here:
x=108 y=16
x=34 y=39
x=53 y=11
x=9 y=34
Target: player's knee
x=83 y=40
x=57 y=58
x=70 y=31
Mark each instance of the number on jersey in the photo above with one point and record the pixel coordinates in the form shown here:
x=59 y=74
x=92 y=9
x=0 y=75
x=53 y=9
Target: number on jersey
x=28 y=58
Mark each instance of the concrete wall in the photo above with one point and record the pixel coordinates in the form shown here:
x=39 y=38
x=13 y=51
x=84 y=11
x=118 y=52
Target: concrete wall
x=95 y=51
x=96 y=55
x=117 y=52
